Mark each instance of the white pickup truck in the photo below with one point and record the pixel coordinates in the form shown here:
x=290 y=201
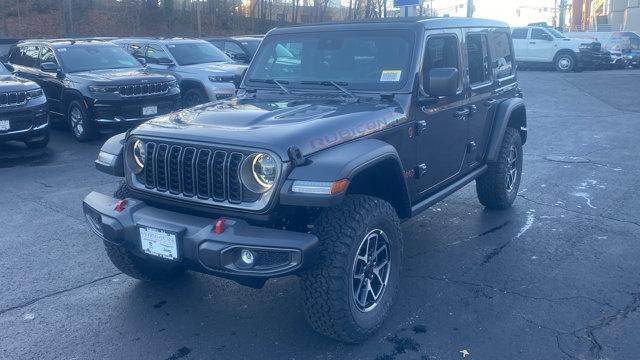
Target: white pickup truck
x=543 y=45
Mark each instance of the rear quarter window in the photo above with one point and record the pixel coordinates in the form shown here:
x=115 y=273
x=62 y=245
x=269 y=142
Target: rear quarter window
x=501 y=53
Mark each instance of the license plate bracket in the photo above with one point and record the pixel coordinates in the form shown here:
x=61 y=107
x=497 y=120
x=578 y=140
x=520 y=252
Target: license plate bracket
x=160 y=243
x=5 y=125
x=149 y=110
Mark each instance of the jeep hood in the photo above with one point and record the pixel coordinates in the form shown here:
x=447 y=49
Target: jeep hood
x=277 y=125
x=215 y=68
x=10 y=83
x=120 y=76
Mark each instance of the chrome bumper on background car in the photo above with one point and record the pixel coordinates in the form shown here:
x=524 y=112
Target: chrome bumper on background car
x=215 y=246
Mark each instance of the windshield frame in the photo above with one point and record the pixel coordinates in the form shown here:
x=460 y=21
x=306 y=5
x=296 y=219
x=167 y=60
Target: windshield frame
x=171 y=47
x=67 y=69
x=296 y=85
x=555 y=33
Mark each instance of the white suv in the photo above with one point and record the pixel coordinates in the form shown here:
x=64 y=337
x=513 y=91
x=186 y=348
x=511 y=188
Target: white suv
x=545 y=45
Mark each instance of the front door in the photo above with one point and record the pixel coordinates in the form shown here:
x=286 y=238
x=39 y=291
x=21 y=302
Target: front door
x=51 y=84
x=542 y=46
x=441 y=126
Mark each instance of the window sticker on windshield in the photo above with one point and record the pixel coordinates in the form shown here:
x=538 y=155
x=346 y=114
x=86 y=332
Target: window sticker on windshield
x=391 y=75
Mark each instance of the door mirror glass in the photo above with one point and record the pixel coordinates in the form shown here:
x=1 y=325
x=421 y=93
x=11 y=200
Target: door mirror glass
x=49 y=67
x=442 y=82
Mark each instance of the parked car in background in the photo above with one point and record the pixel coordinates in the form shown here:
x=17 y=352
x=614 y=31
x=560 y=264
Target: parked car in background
x=5 y=48
x=203 y=71
x=624 y=46
x=239 y=48
x=536 y=45
x=94 y=85
x=23 y=111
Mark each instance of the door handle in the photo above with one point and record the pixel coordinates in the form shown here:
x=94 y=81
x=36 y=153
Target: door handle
x=462 y=113
x=490 y=102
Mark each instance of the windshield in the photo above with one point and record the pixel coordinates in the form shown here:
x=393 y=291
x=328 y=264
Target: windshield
x=251 y=45
x=556 y=33
x=197 y=53
x=363 y=60
x=76 y=58
x=3 y=70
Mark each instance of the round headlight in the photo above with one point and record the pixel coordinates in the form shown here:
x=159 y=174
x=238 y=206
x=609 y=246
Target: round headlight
x=259 y=172
x=139 y=154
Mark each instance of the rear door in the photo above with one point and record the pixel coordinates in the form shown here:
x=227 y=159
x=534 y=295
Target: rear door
x=480 y=86
x=26 y=60
x=442 y=127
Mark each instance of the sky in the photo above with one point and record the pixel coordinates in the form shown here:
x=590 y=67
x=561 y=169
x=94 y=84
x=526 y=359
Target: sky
x=504 y=10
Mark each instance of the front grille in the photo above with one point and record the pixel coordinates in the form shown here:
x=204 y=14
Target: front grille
x=14 y=98
x=194 y=172
x=128 y=91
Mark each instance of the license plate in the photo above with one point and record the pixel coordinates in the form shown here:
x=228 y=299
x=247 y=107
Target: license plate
x=149 y=110
x=161 y=243
x=5 y=125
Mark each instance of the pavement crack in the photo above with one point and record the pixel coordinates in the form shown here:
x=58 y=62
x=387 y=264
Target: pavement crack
x=35 y=300
x=578 y=212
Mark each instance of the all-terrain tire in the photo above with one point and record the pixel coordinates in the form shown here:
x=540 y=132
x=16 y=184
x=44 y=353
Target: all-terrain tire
x=149 y=270
x=494 y=188
x=330 y=305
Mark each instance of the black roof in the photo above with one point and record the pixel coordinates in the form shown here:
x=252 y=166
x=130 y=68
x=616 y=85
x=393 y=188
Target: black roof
x=395 y=23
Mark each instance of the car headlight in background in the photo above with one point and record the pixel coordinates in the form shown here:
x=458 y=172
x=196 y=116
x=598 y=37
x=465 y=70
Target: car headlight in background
x=34 y=94
x=103 y=89
x=259 y=172
x=218 y=78
x=138 y=153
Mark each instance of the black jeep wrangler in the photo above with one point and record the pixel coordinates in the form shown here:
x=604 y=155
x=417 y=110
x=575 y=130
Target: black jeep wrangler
x=339 y=133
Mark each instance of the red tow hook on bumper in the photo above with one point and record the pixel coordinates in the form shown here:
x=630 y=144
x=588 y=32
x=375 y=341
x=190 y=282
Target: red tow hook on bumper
x=219 y=228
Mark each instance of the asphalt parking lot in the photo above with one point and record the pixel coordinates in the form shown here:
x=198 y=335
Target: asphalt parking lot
x=555 y=277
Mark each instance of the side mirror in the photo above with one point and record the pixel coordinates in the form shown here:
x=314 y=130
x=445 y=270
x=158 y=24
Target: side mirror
x=239 y=57
x=442 y=82
x=49 y=67
x=165 y=61
x=142 y=61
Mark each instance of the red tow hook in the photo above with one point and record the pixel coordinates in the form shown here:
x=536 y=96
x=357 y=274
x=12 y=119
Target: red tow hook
x=120 y=205
x=219 y=228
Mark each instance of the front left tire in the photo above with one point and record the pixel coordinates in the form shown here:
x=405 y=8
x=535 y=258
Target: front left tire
x=83 y=128
x=349 y=291
x=565 y=62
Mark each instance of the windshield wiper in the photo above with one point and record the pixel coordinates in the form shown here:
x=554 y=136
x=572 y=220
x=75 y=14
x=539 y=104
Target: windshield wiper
x=335 y=84
x=273 y=81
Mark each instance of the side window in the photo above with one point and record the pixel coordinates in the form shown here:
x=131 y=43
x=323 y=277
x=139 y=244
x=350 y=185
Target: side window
x=520 y=33
x=500 y=48
x=47 y=56
x=478 y=55
x=232 y=48
x=441 y=52
x=31 y=56
x=539 y=34
x=16 y=56
x=155 y=53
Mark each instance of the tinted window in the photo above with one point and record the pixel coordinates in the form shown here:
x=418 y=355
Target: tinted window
x=25 y=56
x=232 y=48
x=539 y=34
x=47 y=56
x=519 y=33
x=251 y=45
x=500 y=47
x=441 y=52
x=77 y=58
x=155 y=53
x=197 y=53
x=361 y=59
x=478 y=55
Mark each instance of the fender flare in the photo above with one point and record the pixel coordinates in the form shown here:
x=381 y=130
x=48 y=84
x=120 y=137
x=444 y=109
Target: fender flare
x=344 y=161
x=501 y=122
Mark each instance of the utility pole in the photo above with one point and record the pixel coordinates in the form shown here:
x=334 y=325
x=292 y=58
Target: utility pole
x=563 y=9
x=469 y=8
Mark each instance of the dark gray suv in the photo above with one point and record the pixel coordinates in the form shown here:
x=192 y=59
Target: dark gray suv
x=339 y=133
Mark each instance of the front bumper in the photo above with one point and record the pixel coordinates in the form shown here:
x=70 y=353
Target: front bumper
x=200 y=248
x=588 y=58
x=25 y=123
x=128 y=112
x=220 y=91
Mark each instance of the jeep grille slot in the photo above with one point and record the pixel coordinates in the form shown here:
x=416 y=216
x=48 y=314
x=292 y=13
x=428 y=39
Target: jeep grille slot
x=202 y=173
x=14 y=98
x=143 y=89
